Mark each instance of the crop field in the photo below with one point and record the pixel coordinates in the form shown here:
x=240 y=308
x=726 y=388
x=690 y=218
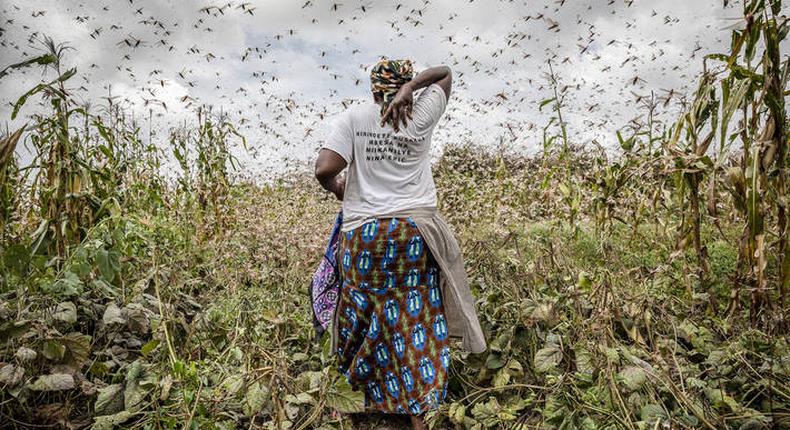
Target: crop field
x=148 y=281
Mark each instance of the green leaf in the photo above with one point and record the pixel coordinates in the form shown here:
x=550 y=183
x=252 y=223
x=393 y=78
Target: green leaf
x=100 y=284
x=25 y=354
x=583 y=281
x=688 y=420
x=16 y=258
x=755 y=423
x=501 y=378
x=720 y=400
x=514 y=368
x=300 y=399
x=38 y=88
x=105 y=267
x=136 y=318
x=109 y=400
x=78 y=348
x=11 y=375
x=108 y=422
x=233 y=384
x=12 y=329
x=633 y=377
x=134 y=393
x=588 y=424
x=564 y=189
x=494 y=360
x=8 y=146
x=652 y=412
x=113 y=315
x=53 y=382
x=53 y=350
x=488 y=413
x=457 y=413
x=547 y=358
x=543 y=103
x=343 y=398
x=720 y=57
x=41 y=60
x=67 y=286
x=149 y=346
x=256 y=398
x=165 y=385
x=66 y=312
x=626 y=144
x=38 y=236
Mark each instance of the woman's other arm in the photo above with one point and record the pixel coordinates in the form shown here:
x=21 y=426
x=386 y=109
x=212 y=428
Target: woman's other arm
x=327 y=170
x=440 y=75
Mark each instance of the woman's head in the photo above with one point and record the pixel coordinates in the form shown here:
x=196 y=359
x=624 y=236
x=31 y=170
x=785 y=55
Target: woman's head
x=386 y=78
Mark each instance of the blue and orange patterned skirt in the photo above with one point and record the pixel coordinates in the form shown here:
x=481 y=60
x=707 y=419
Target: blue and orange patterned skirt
x=393 y=336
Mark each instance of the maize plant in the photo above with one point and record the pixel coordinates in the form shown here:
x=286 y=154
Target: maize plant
x=567 y=186
x=688 y=149
x=64 y=209
x=755 y=88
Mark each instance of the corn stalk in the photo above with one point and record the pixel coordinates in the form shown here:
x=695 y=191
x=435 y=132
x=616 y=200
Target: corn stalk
x=688 y=149
x=9 y=180
x=59 y=177
x=759 y=183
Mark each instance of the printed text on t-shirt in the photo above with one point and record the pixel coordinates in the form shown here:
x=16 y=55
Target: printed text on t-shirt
x=385 y=146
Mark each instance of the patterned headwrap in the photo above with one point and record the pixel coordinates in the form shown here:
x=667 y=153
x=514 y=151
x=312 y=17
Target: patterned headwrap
x=387 y=76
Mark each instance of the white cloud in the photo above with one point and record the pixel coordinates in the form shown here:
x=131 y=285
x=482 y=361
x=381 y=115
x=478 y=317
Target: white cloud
x=302 y=63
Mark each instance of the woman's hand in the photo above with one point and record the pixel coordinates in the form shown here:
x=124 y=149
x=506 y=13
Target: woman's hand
x=400 y=108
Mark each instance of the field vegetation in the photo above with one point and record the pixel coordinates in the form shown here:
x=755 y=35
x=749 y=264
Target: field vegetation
x=642 y=290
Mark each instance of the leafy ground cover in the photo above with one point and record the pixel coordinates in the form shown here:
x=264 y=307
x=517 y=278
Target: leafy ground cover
x=639 y=290
x=147 y=325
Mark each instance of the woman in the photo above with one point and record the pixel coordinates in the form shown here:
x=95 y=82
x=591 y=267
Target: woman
x=404 y=291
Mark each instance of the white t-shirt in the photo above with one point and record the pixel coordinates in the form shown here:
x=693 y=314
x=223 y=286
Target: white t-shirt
x=387 y=171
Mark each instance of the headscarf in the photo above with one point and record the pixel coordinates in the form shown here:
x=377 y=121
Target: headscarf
x=387 y=76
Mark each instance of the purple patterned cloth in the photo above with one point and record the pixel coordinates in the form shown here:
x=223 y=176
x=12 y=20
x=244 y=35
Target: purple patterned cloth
x=325 y=286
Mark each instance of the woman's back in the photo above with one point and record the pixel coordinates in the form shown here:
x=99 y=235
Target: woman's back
x=387 y=170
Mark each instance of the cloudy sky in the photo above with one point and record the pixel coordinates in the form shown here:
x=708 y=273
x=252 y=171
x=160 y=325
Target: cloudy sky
x=283 y=68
